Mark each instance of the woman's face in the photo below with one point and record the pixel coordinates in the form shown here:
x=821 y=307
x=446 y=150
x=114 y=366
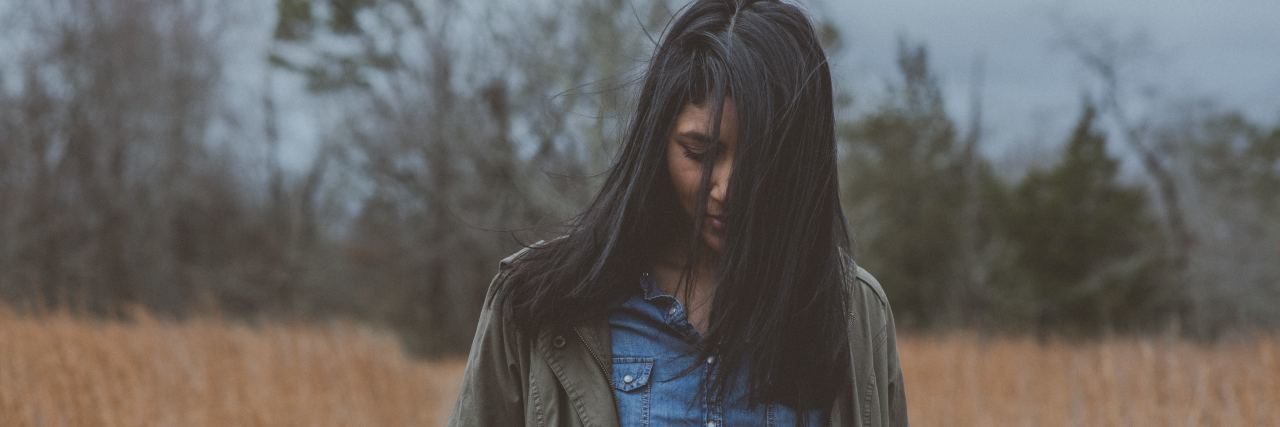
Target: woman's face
x=687 y=145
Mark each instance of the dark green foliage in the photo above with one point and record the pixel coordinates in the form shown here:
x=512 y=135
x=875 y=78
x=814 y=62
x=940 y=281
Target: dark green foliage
x=1241 y=159
x=1076 y=215
x=904 y=185
x=1083 y=242
x=1071 y=249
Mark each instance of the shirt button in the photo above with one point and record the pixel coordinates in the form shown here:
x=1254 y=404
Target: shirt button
x=711 y=359
x=628 y=379
x=558 y=341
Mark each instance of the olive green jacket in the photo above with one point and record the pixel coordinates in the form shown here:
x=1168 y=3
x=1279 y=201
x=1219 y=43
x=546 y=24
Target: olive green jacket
x=559 y=377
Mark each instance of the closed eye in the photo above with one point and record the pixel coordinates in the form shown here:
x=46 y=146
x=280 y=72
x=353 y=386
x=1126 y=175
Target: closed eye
x=694 y=155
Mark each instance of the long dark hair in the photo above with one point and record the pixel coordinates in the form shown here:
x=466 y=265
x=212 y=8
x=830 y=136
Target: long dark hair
x=778 y=309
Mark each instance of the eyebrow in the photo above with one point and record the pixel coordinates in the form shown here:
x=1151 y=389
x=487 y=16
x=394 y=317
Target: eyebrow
x=698 y=136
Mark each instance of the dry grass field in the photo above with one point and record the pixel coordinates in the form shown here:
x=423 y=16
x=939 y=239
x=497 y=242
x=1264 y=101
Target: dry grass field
x=966 y=380
x=59 y=370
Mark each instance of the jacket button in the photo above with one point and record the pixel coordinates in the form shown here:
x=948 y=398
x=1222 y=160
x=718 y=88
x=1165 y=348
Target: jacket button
x=558 y=341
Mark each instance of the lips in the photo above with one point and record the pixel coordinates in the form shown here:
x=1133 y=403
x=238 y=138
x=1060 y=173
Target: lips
x=716 y=222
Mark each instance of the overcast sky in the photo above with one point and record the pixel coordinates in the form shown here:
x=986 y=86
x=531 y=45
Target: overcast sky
x=1226 y=49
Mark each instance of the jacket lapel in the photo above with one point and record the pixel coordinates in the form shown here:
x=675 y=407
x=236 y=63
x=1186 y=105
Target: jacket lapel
x=581 y=363
x=597 y=338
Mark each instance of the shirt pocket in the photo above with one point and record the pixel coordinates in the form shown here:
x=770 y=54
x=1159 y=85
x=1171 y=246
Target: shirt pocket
x=631 y=387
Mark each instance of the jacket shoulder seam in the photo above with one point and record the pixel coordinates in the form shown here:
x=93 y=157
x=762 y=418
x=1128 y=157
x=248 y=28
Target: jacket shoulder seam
x=865 y=277
x=509 y=260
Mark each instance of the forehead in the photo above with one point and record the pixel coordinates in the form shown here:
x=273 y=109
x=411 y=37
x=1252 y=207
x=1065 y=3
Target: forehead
x=696 y=119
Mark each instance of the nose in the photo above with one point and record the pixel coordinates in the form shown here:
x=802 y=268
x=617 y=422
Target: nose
x=720 y=174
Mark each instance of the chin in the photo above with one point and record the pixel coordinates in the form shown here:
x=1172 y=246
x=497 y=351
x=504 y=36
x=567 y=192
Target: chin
x=712 y=243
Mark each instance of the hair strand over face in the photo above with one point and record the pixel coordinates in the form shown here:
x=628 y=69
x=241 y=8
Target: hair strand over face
x=778 y=309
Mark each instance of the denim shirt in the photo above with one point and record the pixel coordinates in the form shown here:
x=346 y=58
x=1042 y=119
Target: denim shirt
x=653 y=347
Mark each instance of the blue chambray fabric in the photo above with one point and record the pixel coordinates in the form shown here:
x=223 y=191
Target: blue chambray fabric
x=653 y=347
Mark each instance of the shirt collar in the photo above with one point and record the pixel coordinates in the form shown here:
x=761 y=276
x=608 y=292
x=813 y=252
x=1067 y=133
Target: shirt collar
x=649 y=288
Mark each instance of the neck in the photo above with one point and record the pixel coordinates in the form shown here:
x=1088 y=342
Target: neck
x=672 y=262
x=696 y=294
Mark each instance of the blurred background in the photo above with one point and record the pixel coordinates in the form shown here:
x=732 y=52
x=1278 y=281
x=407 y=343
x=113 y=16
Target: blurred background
x=1043 y=170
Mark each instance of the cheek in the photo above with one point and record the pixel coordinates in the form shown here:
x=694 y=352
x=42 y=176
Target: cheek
x=685 y=175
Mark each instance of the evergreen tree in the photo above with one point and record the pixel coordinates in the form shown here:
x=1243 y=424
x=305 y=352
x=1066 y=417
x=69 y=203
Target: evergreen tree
x=906 y=183
x=1082 y=243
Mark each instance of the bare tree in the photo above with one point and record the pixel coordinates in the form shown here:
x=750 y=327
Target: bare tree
x=1227 y=164
x=463 y=122
x=1107 y=58
x=110 y=128
x=1104 y=58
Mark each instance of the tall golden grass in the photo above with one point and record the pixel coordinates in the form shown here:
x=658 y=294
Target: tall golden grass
x=62 y=370
x=57 y=369
x=968 y=380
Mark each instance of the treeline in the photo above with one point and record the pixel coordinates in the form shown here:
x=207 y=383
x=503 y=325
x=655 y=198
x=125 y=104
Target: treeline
x=1187 y=244
x=142 y=162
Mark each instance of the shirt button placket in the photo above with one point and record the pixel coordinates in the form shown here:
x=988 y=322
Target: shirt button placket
x=717 y=415
x=715 y=411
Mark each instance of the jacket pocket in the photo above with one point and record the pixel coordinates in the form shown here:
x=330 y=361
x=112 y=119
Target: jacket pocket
x=631 y=377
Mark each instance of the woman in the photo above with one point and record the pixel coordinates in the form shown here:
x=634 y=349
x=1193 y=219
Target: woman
x=709 y=282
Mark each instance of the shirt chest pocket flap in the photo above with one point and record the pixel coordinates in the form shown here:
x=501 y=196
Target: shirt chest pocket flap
x=631 y=373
